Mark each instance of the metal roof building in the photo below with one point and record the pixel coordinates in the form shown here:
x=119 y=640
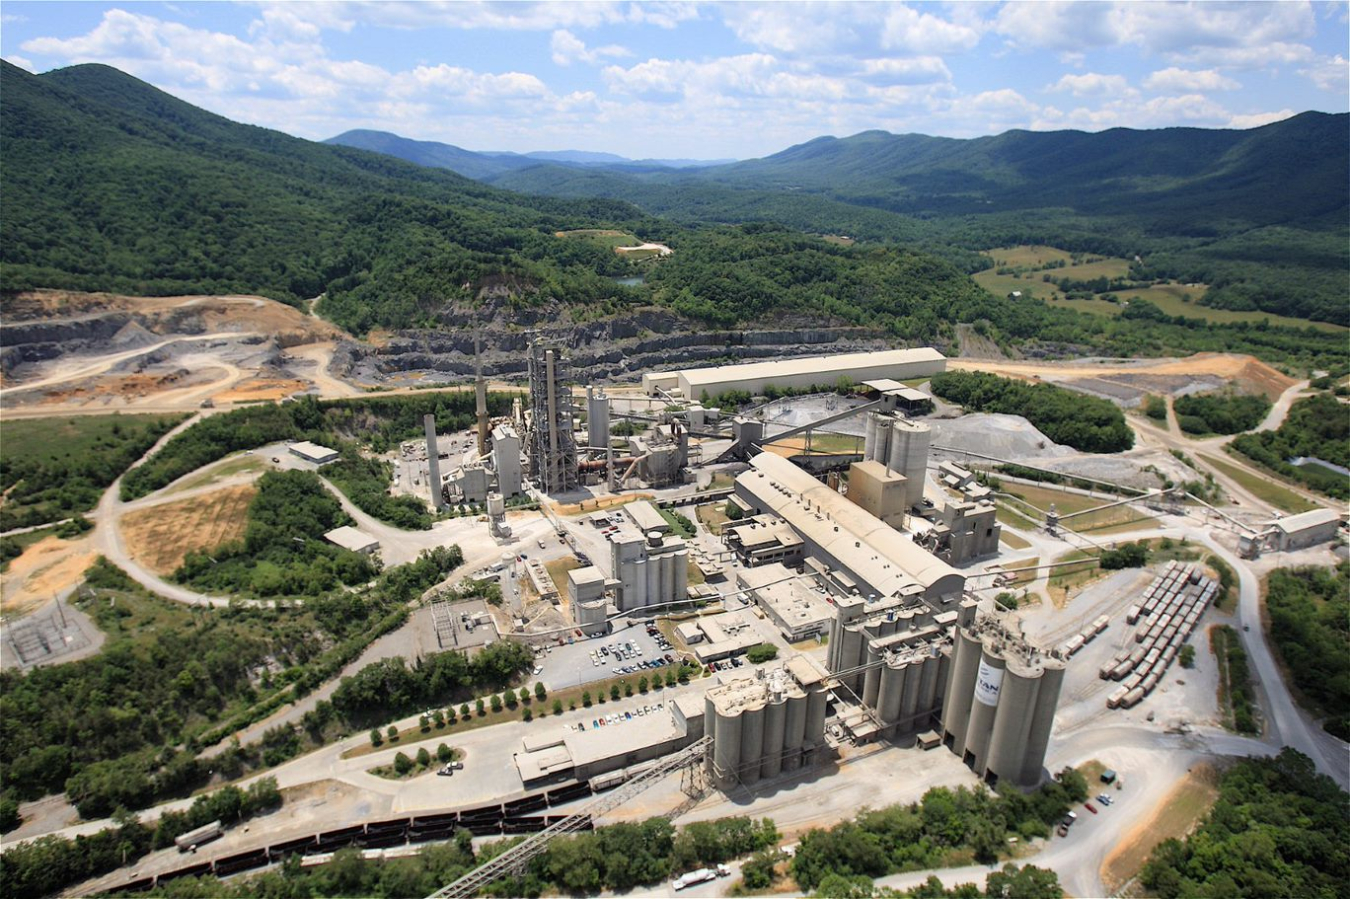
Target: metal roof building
x=802 y=371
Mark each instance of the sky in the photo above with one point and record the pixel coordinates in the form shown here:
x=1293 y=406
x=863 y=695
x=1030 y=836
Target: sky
x=706 y=80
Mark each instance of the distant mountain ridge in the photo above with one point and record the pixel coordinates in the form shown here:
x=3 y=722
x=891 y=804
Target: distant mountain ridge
x=485 y=165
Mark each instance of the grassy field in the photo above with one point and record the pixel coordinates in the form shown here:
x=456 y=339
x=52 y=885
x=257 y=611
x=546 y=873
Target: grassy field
x=1100 y=267
x=53 y=438
x=1115 y=520
x=163 y=535
x=604 y=238
x=1008 y=515
x=1072 y=578
x=1029 y=256
x=1031 y=285
x=234 y=465
x=713 y=517
x=557 y=570
x=1172 y=819
x=1022 y=578
x=1011 y=539
x=1265 y=488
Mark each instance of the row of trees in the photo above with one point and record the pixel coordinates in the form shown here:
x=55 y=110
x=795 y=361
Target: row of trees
x=1083 y=422
x=923 y=834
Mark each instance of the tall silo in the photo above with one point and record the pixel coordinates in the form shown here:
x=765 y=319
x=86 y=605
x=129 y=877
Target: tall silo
x=815 y=721
x=597 y=417
x=893 y=679
x=752 y=740
x=794 y=730
x=681 y=575
x=908 y=713
x=988 y=688
x=1012 y=723
x=871 y=678
x=909 y=456
x=966 y=651
x=775 y=728
x=727 y=747
x=881 y=440
x=1038 y=736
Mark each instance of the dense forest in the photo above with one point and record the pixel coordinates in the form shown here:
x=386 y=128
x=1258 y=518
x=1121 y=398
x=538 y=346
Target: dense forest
x=50 y=470
x=1085 y=423
x=1310 y=625
x=1317 y=427
x=1278 y=829
x=1220 y=413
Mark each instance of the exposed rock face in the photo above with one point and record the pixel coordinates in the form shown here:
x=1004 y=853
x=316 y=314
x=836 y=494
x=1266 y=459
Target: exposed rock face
x=645 y=340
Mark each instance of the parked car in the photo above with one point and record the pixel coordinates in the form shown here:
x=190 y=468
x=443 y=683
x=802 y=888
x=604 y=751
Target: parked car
x=1104 y=799
x=1090 y=807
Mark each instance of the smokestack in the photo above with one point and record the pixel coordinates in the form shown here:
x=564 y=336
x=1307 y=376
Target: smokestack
x=433 y=461
x=480 y=388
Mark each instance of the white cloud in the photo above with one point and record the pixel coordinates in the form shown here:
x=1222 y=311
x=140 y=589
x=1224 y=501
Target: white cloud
x=1331 y=74
x=568 y=48
x=12 y=18
x=1257 y=119
x=920 y=32
x=21 y=62
x=1238 y=35
x=508 y=16
x=918 y=70
x=1092 y=84
x=1181 y=81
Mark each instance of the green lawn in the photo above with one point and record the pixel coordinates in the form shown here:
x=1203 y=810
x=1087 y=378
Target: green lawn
x=238 y=464
x=1266 y=487
x=604 y=238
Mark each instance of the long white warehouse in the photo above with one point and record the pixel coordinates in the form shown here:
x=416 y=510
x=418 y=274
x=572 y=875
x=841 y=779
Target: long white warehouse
x=753 y=377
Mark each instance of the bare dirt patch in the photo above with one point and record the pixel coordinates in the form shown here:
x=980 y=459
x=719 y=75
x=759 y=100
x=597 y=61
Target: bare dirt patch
x=599 y=503
x=1173 y=818
x=1249 y=373
x=45 y=569
x=161 y=537
x=258 y=389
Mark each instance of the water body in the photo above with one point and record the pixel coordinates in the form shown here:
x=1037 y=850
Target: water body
x=631 y=281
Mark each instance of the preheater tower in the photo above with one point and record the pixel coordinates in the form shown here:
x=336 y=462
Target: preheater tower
x=552 y=444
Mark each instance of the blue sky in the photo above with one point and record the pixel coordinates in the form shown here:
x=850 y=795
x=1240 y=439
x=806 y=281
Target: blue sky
x=675 y=79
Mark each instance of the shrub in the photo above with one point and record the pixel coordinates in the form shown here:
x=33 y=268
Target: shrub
x=764 y=652
x=402 y=764
x=443 y=753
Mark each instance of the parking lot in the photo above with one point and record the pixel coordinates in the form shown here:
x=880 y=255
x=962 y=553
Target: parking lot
x=571 y=665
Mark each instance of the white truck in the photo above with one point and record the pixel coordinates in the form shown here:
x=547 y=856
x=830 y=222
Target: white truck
x=702 y=875
x=189 y=841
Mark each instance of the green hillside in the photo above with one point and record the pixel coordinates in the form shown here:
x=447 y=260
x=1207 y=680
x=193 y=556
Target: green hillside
x=110 y=184
x=432 y=154
x=1259 y=215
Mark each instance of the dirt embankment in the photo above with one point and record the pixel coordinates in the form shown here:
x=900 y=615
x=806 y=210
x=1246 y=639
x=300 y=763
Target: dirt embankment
x=161 y=536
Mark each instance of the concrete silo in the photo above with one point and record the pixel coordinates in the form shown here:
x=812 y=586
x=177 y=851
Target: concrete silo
x=597 y=417
x=988 y=688
x=775 y=732
x=794 y=730
x=908 y=456
x=1012 y=724
x=1042 y=721
x=752 y=738
x=966 y=651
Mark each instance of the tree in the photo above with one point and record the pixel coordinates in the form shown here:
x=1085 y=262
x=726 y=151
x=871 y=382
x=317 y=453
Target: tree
x=481 y=710
x=1187 y=656
x=393 y=733
x=1027 y=882
x=671 y=678
x=557 y=707
x=758 y=871
x=402 y=764
x=464 y=709
x=375 y=738
x=614 y=693
x=764 y=652
x=525 y=695
x=732 y=511
x=449 y=717
x=627 y=689
x=496 y=703
x=540 y=692
x=443 y=753
x=9 y=815
x=423 y=757
x=586 y=698
x=642 y=684
x=527 y=714
x=424 y=724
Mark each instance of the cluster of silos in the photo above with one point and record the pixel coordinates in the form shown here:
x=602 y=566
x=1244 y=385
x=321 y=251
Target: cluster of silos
x=1000 y=705
x=761 y=727
x=860 y=631
x=909 y=687
x=902 y=446
x=651 y=570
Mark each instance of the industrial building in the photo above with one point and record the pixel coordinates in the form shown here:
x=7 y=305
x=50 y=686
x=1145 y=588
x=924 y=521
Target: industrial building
x=506 y=460
x=312 y=452
x=717 y=637
x=962 y=532
x=901 y=446
x=645 y=516
x=805 y=371
x=352 y=539
x=880 y=491
x=650 y=570
x=588 y=591
x=1292 y=532
x=762 y=726
x=859 y=553
x=763 y=540
x=795 y=603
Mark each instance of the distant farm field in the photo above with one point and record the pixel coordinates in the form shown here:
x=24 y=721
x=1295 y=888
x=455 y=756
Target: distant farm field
x=161 y=536
x=1171 y=298
x=603 y=237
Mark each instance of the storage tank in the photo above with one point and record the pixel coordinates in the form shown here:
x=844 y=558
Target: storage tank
x=496 y=505
x=909 y=695
x=597 y=417
x=794 y=731
x=727 y=748
x=871 y=678
x=775 y=727
x=1012 y=723
x=881 y=437
x=1038 y=735
x=815 y=723
x=988 y=689
x=681 y=575
x=869 y=436
x=909 y=456
x=752 y=741
x=667 y=578
x=850 y=655
x=891 y=690
x=960 y=689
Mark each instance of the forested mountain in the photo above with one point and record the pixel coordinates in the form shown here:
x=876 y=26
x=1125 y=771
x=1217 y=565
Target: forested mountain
x=1260 y=215
x=468 y=163
x=110 y=184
